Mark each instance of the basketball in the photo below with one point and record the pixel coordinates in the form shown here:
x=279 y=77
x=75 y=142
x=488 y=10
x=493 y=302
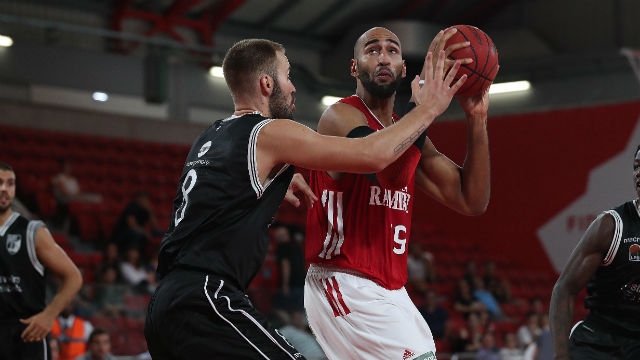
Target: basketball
x=483 y=69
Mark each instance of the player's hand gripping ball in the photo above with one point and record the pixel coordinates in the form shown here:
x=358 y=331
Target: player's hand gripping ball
x=483 y=69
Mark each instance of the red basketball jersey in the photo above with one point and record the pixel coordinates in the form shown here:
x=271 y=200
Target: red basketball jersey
x=361 y=225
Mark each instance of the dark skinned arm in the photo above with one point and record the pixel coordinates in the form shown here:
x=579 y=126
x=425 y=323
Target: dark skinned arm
x=583 y=263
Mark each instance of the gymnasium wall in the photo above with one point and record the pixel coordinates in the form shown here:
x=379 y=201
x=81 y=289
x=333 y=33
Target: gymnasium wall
x=551 y=174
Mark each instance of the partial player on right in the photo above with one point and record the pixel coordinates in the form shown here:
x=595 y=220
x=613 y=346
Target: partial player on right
x=607 y=262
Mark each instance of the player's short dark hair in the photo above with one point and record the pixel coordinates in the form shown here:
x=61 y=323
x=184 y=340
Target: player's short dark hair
x=5 y=166
x=96 y=332
x=248 y=59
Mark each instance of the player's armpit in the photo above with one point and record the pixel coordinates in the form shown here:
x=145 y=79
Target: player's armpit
x=583 y=262
x=340 y=119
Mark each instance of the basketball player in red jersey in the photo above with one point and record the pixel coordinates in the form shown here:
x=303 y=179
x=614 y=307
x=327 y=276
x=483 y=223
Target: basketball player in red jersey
x=357 y=240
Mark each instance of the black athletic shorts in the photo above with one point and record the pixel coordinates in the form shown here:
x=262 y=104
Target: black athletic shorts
x=593 y=341
x=13 y=347
x=193 y=315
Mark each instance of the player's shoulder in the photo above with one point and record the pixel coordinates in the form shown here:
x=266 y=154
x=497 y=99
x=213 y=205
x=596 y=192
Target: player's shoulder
x=340 y=118
x=16 y=219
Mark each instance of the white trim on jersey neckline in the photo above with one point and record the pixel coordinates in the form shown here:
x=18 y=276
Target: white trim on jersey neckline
x=636 y=203
x=374 y=115
x=233 y=116
x=7 y=224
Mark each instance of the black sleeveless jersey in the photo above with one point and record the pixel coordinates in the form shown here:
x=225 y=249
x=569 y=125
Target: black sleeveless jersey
x=22 y=282
x=613 y=293
x=222 y=211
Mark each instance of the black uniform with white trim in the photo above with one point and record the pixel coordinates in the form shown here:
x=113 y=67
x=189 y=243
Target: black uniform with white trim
x=215 y=245
x=611 y=330
x=22 y=287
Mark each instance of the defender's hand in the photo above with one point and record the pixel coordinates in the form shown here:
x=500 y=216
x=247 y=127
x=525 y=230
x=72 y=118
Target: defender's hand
x=299 y=184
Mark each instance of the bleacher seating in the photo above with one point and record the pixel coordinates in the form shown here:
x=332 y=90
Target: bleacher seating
x=117 y=168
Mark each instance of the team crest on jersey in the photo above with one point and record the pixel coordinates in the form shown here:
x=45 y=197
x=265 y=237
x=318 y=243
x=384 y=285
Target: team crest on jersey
x=204 y=148
x=13 y=243
x=634 y=252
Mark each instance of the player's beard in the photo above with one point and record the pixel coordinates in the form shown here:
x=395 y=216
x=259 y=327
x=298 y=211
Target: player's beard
x=4 y=209
x=279 y=107
x=378 y=90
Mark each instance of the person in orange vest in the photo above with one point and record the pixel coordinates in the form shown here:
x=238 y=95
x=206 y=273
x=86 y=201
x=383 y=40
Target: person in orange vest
x=72 y=332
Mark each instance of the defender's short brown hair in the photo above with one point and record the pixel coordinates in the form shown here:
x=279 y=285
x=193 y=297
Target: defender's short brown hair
x=248 y=59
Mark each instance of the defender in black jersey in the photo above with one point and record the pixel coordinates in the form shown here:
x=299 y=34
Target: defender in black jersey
x=235 y=177
x=607 y=262
x=26 y=249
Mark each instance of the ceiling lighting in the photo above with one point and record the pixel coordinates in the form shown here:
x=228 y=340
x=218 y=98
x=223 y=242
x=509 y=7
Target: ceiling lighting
x=509 y=87
x=100 y=96
x=5 y=41
x=329 y=100
x=216 y=71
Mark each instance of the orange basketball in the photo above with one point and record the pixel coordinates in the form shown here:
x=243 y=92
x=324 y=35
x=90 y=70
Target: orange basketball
x=483 y=69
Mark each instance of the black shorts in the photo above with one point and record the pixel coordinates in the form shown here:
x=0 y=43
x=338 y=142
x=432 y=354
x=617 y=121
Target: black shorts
x=193 y=315
x=592 y=341
x=13 y=347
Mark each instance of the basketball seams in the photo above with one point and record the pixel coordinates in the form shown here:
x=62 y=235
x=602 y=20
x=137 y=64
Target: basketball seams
x=488 y=51
x=475 y=56
x=479 y=70
x=468 y=87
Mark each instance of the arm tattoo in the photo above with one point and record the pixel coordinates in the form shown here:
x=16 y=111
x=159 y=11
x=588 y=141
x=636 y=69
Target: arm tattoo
x=410 y=140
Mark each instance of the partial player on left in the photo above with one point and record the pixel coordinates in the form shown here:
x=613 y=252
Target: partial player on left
x=26 y=250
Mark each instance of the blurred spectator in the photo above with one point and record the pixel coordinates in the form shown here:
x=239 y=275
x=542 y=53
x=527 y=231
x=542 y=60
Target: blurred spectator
x=544 y=344
x=544 y=322
x=435 y=315
x=72 y=333
x=485 y=321
x=486 y=298
x=468 y=338
x=111 y=259
x=108 y=295
x=491 y=280
x=529 y=331
x=54 y=348
x=510 y=350
x=66 y=189
x=500 y=288
x=488 y=349
x=98 y=347
x=471 y=271
x=537 y=306
x=136 y=225
x=136 y=274
x=296 y=332
x=290 y=259
x=420 y=267
x=464 y=302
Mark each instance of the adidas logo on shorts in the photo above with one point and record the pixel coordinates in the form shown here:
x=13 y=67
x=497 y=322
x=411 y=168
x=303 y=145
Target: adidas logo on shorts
x=407 y=354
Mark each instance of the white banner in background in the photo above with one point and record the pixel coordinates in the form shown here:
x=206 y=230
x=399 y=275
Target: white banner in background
x=609 y=185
